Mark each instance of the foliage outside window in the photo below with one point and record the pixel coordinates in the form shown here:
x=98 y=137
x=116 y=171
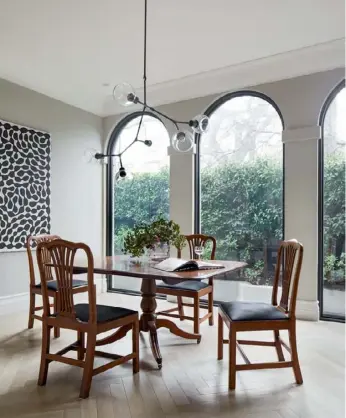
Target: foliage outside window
x=241 y=177
x=144 y=194
x=334 y=147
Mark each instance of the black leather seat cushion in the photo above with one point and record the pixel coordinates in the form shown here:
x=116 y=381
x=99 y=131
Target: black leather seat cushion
x=103 y=313
x=193 y=285
x=251 y=311
x=53 y=285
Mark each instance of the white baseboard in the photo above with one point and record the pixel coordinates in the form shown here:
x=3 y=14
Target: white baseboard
x=14 y=303
x=10 y=298
x=308 y=310
x=100 y=282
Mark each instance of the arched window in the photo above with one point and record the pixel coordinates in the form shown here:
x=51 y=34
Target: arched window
x=332 y=205
x=144 y=193
x=239 y=188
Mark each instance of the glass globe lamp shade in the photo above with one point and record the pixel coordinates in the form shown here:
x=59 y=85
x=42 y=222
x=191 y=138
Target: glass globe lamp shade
x=124 y=94
x=182 y=141
x=89 y=156
x=200 y=124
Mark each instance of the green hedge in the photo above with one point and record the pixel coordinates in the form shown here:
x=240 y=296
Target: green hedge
x=241 y=205
x=334 y=219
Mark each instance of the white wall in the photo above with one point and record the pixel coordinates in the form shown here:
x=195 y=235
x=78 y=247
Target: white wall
x=300 y=100
x=76 y=187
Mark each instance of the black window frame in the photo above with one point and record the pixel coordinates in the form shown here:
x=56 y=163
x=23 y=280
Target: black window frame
x=110 y=191
x=336 y=90
x=209 y=111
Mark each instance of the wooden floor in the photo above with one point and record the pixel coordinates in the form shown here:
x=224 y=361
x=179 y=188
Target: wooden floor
x=192 y=382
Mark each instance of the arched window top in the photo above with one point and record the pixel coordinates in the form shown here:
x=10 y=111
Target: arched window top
x=140 y=158
x=338 y=89
x=334 y=122
x=244 y=125
x=243 y=93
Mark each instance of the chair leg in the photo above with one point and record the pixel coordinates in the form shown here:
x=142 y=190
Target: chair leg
x=211 y=307
x=220 y=338
x=196 y=314
x=88 y=366
x=135 y=346
x=232 y=358
x=42 y=378
x=81 y=345
x=295 y=360
x=180 y=308
x=278 y=346
x=56 y=308
x=31 y=310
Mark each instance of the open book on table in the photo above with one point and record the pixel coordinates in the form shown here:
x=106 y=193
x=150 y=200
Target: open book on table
x=177 y=264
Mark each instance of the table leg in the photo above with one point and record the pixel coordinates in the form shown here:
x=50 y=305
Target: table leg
x=148 y=317
x=149 y=322
x=174 y=329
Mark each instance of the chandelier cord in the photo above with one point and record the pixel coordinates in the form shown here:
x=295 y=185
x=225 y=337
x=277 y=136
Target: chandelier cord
x=144 y=75
x=125 y=95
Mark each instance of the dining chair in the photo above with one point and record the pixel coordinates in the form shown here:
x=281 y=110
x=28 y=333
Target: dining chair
x=193 y=289
x=88 y=319
x=254 y=316
x=79 y=286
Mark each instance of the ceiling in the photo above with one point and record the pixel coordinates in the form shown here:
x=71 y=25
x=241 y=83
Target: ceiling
x=77 y=50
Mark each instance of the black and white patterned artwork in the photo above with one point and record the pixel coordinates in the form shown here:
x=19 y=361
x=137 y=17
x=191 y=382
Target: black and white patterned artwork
x=24 y=185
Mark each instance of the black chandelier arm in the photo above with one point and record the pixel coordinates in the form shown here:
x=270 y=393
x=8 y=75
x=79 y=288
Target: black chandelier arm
x=140 y=122
x=125 y=95
x=125 y=149
x=136 y=137
x=100 y=156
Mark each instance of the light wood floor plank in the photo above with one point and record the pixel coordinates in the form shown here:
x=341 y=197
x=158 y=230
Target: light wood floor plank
x=120 y=404
x=191 y=384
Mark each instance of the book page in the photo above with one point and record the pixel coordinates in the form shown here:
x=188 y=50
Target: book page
x=173 y=264
x=206 y=265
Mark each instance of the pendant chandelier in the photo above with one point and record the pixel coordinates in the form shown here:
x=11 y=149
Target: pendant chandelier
x=125 y=95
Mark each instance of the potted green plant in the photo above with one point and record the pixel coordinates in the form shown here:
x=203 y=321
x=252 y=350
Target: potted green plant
x=156 y=237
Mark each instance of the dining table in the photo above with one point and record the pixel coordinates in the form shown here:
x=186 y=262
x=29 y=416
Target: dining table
x=146 y=272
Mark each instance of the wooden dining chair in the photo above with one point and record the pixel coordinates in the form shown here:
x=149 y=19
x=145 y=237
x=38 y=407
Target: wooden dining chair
x=88 y=319
x=253 y=316
x=193 y=289
x=35 y=287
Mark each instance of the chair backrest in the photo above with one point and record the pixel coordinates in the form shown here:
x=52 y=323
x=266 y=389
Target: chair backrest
x=35 y=240
x=201 y=241
x=288 y=266
x=62 y=256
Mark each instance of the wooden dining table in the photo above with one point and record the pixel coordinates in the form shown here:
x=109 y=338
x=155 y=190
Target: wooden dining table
x=145 y=271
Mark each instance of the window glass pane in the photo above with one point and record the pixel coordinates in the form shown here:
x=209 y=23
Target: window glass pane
x=334 y=140
x=241 y=160
x=144 y=193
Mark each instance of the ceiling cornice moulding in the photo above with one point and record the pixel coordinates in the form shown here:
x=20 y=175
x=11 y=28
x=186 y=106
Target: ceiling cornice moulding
x=313 y=59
